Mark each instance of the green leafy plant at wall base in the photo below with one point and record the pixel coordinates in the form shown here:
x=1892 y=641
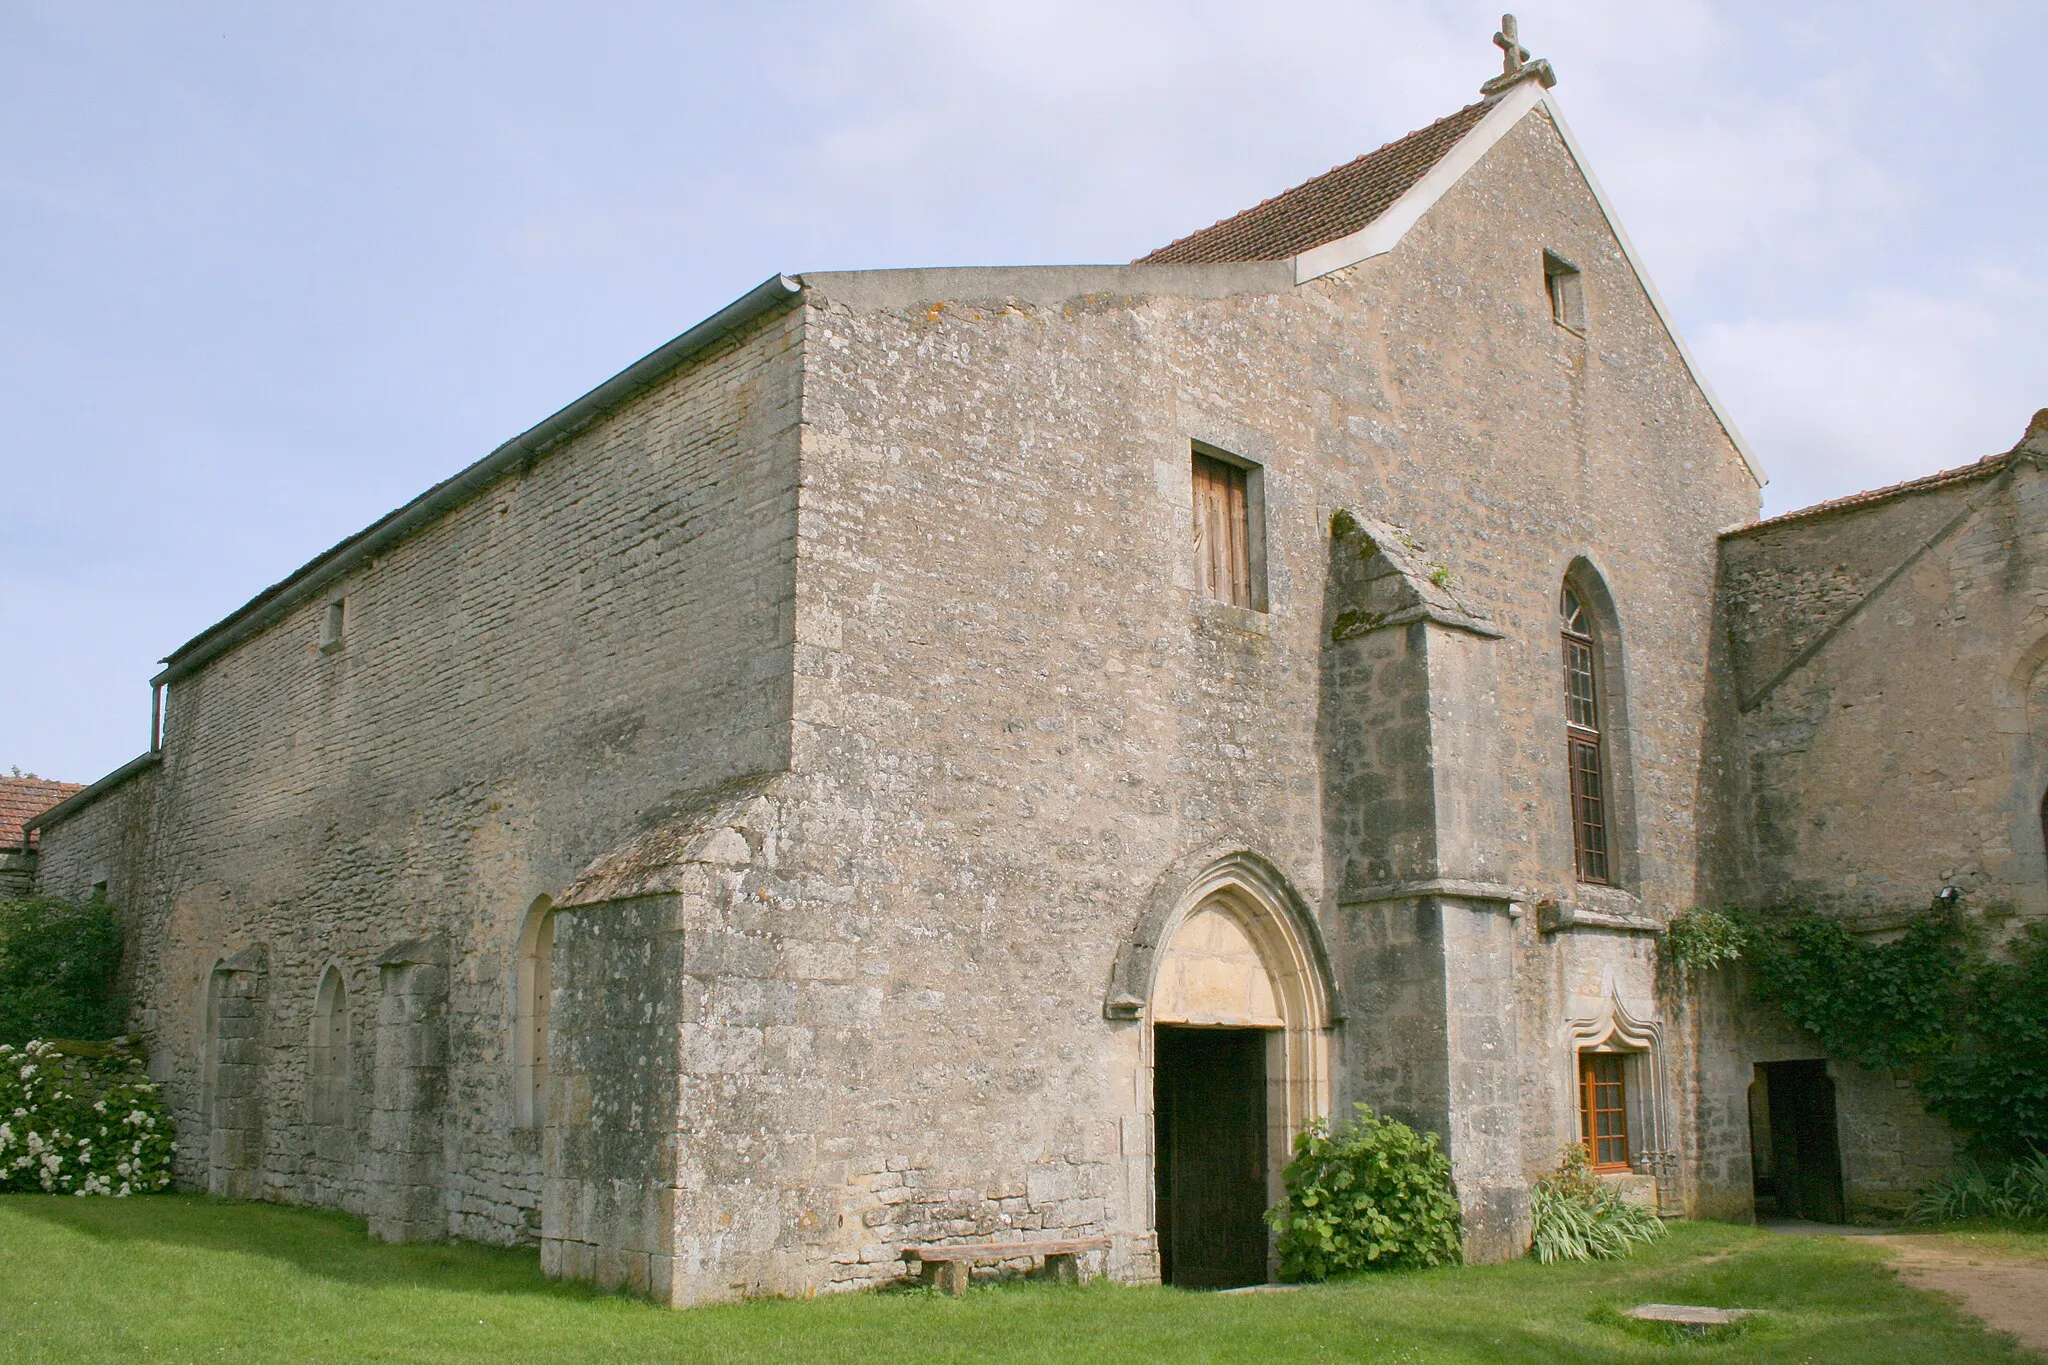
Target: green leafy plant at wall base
x=1373 y=1195
x=1578 y=1218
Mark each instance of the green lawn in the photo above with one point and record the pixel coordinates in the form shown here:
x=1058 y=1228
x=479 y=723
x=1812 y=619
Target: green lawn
x=185 y=1278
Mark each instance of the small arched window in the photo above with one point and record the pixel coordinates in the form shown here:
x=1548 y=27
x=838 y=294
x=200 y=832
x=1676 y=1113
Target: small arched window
x=1584 y=743
x=533 y=991
x=327 y=1083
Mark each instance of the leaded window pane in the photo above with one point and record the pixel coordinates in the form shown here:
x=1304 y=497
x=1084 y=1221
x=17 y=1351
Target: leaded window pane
x=1583 y=741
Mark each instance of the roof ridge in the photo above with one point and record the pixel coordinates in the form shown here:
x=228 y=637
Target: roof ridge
x=1925 y=483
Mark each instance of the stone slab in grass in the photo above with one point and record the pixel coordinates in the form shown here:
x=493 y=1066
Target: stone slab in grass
x=1263 y=1289
x=1688 y=1317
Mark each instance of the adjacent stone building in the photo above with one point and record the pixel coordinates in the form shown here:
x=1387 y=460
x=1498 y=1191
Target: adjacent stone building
x=21 y=800
x=932 y=755
x=1880 y=738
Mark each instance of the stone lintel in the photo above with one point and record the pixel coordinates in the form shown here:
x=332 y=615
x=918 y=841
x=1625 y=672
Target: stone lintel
x=251 y=959
x=1556 y=916
x=432 y=950
x=1446 y=888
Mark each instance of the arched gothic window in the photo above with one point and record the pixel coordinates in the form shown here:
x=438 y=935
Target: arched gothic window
x=327 y=1084
x=1584 y=743
x=533 y=991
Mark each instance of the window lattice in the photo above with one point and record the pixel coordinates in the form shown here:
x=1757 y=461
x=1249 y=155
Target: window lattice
x=1584 y=755
x=1603 y=1110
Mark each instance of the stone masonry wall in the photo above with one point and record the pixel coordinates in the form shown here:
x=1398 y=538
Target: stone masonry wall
x=107 y=841
x=522 y=684
x=1017 y=712
x=1919 y=702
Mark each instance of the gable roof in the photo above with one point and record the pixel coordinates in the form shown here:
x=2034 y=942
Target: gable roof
x=1385 y=193
x=1335 y=204
x=22 y=799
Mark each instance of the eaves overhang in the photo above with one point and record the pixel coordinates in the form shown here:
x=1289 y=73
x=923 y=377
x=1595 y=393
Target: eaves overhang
x=79 y=800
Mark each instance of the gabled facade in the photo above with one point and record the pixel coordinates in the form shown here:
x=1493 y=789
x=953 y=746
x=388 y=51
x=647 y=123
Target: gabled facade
x=935 y=755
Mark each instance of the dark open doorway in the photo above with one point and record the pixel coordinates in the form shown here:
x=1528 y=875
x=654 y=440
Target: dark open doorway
x=1795 y=1150
x=1209 y=1114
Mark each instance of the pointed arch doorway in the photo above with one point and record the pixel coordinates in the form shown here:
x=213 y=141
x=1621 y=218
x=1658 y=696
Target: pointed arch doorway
x=1239 y=1048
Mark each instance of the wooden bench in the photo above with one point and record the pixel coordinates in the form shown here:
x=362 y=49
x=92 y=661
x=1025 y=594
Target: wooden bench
x=948 y=1267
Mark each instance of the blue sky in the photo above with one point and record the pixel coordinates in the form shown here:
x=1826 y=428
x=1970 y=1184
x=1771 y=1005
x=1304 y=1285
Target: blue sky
x=267 y=271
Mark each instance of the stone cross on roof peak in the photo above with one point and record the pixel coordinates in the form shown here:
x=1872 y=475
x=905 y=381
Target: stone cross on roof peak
x=1515 y=66
x=1512 y=53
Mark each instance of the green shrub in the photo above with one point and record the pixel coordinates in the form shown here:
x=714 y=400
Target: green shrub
x=58 y=961
x=1578 y=1218
x=1374 y=1195
x=80 y=1119
x=2015 y=1193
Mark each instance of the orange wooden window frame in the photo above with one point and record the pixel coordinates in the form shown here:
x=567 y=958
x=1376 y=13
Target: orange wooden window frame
x=1603 y=1110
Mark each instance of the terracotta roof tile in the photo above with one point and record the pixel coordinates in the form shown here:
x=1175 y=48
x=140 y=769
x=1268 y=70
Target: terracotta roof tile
x=1333 y=205
x=22 y=799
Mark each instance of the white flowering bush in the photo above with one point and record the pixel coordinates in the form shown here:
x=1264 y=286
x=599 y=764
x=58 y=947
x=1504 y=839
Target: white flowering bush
x=80 y=1119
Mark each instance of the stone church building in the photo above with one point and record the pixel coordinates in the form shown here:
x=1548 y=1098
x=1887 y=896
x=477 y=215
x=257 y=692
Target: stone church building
x=964 y=754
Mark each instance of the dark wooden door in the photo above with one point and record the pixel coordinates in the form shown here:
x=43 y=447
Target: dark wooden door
x=1806 y=1155
x=1209 y=1112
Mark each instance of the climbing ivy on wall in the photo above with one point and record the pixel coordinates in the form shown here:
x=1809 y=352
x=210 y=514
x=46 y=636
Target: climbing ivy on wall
x=1968 y=1024
x=1878 y=1004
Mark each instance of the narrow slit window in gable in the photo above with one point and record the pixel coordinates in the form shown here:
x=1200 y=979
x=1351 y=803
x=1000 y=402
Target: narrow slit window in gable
x=1567 y=292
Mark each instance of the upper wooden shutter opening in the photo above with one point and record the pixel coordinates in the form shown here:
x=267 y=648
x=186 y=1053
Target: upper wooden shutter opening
x=1223 y=531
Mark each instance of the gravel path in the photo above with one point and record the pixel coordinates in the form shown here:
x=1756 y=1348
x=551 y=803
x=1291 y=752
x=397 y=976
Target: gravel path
x=2006 y=1294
